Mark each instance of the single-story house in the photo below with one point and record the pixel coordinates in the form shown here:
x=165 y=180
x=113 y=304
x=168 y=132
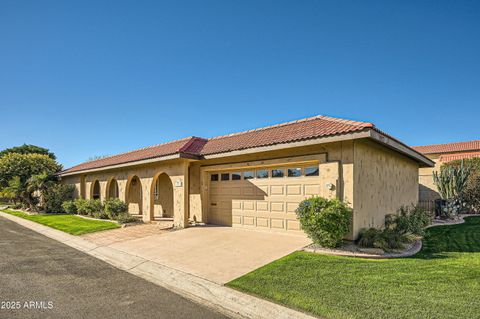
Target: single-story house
x=255 y=179
x=440 y=154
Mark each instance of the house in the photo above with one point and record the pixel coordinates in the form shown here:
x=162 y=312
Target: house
x=255 y=179
x=440 y=154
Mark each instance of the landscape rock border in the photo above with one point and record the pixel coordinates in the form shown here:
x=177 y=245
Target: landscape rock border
x=411 y=250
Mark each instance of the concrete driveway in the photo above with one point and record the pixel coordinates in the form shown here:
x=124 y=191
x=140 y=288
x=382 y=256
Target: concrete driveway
x=218 y=254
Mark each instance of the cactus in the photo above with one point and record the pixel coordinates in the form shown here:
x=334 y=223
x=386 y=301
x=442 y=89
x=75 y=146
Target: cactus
x=450 y=182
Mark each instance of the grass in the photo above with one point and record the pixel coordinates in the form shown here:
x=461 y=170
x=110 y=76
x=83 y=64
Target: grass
x=68 y=223
x=442 y=281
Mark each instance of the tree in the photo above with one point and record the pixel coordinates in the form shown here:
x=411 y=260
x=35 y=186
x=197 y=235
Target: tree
x=14 y=190
x=25 y=166
x=28 y=149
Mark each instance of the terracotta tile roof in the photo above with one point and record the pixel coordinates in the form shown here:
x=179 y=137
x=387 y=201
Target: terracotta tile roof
x=309 y=128
x=458 y=156
x=300 y=130
x=159 y=150
x=448 y=148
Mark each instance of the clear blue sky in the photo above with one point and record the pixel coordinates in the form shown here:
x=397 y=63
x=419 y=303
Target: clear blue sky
x=86 y=78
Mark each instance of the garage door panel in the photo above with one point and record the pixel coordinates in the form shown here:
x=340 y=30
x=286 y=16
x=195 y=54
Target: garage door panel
x=265 y=203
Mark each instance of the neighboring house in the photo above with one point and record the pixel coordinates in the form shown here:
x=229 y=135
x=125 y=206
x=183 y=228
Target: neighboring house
x=255 y=179
x=440 y=154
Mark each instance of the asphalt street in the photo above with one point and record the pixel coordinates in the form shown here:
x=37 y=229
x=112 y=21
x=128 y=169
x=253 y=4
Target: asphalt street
x=42 y=278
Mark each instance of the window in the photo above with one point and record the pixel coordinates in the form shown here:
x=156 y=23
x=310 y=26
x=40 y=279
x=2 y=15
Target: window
x=236 y=176
x=225 y=177
x=263 y=173
x=311 y=171
x=155 y=190
x=277 y=173
x=214 y=177
x=294 y=172
x=248 y=175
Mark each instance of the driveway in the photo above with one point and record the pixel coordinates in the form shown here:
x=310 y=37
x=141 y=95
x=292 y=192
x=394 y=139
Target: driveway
x=52 y=280
x=218 y=254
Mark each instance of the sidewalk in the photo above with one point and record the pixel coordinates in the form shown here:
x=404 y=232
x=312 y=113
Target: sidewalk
x=228 y=301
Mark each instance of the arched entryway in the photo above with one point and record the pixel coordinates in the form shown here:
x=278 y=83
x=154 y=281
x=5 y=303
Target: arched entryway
x=134 y=195
x=96 y=189
x=112 y=189
x=162 y=197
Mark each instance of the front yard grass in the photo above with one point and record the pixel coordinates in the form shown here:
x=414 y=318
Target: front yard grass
x=68 y=223
x=442 y=281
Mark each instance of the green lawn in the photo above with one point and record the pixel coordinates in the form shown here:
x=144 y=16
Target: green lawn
x=68 y=223
x=442 y=281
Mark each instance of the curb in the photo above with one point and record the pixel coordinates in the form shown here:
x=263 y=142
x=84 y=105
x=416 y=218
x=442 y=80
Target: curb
x=217 y=297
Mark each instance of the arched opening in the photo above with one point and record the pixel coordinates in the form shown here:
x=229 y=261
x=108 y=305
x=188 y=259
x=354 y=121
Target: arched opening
x=162 y=197
x=96 y=190
x=112 y=189
x=134 y=196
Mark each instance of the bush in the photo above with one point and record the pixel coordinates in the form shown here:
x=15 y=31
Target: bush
x=81 y=205
x=471 y=193
x=412 y=220
x=69 y=207
x=90 y=207
x=325 y=221
x=114 y=207
x=403 y=228
x=55 y=195
x=125 y=217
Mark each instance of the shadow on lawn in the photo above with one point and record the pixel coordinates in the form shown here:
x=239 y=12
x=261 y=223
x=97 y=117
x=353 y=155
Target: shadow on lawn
x=441 y=240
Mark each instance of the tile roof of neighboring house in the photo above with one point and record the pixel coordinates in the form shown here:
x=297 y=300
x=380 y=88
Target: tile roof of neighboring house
x=458 y=156
x=448 y=148
x=305 y=129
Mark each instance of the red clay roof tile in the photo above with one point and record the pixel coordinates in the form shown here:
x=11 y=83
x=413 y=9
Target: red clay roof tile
x=309 y=128
x=448 y=148
x=458 y=156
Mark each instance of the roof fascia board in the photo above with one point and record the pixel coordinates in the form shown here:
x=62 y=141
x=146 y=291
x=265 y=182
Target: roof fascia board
x=399 y=147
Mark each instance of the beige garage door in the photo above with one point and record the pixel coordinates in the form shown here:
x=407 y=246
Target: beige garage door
x=263 y=197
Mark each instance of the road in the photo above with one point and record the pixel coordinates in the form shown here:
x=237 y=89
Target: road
x=46 y=279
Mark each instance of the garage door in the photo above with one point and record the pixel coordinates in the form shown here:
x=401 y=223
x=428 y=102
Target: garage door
x=261 y=198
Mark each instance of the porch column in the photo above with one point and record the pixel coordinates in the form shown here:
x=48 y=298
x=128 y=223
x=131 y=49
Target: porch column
x=180 y=198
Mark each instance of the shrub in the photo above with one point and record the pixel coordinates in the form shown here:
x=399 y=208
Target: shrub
x=81 y=205
x=325 y=221
x=471 y=193
x=90 y=207
x=114 y=207
x=412 y=220
x=55 y=195
x=69 y=207
x=125 y=217
x=403 y=228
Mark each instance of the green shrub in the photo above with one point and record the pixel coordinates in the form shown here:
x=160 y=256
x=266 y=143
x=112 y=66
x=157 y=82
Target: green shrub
x=55 y=195
x=471 y=193
x=412 y=220
x=90 y=207
x=125 y=217
x=400 y=229
x=69 y=207
x=325 y=221
x=114 y=207
x=81 y=205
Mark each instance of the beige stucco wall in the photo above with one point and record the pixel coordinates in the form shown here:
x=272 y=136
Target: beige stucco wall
x=374 y=180
x=384 y=180
x=428 y=189
x=177 y=170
